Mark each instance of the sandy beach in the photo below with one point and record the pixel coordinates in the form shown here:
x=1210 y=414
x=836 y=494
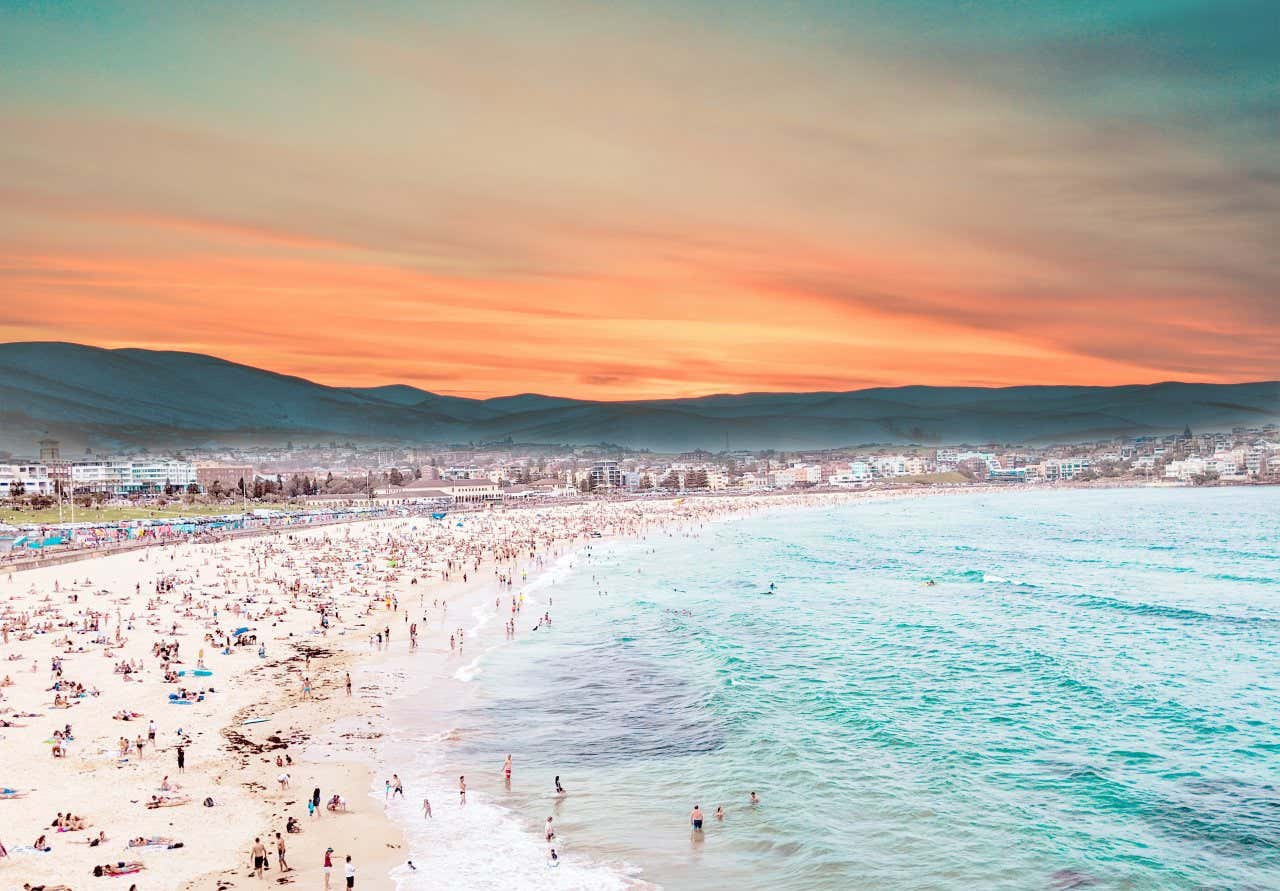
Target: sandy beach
x=102 y=654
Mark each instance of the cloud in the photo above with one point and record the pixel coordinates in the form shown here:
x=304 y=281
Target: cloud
x=624 y=202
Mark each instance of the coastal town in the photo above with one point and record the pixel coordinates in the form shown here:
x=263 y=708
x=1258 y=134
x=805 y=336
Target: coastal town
x=314 y=474
x=51 y=502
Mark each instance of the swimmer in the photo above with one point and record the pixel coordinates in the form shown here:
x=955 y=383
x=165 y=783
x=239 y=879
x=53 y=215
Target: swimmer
x=695 y=818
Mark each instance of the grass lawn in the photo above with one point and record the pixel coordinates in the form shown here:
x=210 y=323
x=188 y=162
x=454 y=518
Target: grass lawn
x=112 y=514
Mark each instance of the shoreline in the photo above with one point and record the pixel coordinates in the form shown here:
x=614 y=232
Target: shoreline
x=93 y=617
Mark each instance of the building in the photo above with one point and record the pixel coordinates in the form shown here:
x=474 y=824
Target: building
x=1064 y=468
x=438 y=491
x=227 y=476
x=28 y=478
x=462 y=473
x=50 y=451
x=606 y=475
x=124 y=477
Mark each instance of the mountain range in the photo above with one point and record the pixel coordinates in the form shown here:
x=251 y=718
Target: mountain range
x=106 y=399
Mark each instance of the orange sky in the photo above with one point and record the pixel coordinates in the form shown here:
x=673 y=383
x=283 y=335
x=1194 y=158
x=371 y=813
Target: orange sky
x=618 y=206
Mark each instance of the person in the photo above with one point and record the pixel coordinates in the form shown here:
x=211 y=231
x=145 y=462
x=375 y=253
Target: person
x=553 y=859
x=720 y=812
x=506 y=768
x=280 y=852
x=397 y=787
x=462 y=790
x=348 y=683
x=351 y=873
x=559 y=788
x=426 y=808
x=328 y=866
x=182 y=759
x=755 y=799
x=696 y=818
x=259 y=857
x=547 y=830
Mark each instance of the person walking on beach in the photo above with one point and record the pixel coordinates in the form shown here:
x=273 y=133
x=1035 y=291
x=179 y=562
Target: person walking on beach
x=348 y=683
x=280 y=852
x=696 y=818
x=328 y=866
x=182 y=759
x=462 y=790
x=351 y=873
x=259 y=857
x=426 y=808
x=397 y=787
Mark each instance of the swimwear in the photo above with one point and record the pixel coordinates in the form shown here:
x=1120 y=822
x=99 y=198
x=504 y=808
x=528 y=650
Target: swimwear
x=697 y=824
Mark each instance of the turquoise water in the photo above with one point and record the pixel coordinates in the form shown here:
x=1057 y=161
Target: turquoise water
x=1089 y=696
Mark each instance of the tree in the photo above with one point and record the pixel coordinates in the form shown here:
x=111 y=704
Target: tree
x=646 y=483
x=396 y=478
x=695 y=479
x=243 y=489
x=17 y=489
x=216 y=490
x=193 y=489
x=671 y=481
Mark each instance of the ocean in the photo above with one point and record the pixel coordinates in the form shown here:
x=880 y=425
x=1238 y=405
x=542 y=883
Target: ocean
x=1021 y=690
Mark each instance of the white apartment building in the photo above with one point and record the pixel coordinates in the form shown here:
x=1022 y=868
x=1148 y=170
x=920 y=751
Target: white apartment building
x=900 y=465
x=121 y=477
x=1186 y=469
x=858 y=473
x=31 y=477
x=1064 y=468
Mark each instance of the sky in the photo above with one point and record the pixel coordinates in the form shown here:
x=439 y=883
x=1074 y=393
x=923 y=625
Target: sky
x=619 y=201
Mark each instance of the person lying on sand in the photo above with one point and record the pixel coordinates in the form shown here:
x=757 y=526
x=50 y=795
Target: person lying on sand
x=168 y=801
x=154 y=841
x=119 y=868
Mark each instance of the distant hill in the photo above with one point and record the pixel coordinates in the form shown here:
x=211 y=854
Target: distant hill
x=89 y=396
